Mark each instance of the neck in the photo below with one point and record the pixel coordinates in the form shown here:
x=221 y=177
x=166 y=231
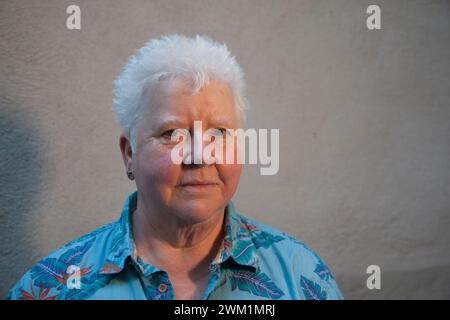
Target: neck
x=164 y=241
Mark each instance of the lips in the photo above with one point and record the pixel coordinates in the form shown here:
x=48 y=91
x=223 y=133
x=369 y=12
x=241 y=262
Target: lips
x=198 y=184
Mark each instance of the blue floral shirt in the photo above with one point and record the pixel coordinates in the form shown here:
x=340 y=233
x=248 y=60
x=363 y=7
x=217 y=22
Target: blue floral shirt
x=255 y=262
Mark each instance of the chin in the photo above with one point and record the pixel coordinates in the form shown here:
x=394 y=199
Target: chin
x=197 y=210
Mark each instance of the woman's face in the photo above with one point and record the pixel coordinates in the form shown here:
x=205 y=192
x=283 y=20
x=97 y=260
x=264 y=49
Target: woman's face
x=174 y=188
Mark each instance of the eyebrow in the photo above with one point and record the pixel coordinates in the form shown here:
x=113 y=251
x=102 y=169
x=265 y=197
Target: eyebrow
x=176 y=121
x=169 y=121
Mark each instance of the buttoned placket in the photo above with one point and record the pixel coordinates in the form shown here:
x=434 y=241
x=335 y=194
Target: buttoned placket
x=162 y=287
x=158 y=280
x=162 y=283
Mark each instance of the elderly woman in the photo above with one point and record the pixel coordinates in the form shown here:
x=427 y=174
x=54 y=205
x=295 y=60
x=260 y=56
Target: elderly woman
x=179 y=236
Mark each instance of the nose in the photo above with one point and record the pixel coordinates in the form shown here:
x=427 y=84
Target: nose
x=195 y=155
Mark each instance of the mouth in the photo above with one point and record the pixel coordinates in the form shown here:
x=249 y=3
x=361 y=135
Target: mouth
x=198 y=185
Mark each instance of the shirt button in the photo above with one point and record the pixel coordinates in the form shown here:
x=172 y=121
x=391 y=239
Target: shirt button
x=162 y=287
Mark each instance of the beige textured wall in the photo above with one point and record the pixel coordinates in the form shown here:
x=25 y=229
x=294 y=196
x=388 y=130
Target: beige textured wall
x=364 y=119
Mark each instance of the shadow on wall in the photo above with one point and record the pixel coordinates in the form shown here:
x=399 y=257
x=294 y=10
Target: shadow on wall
x=22 y=161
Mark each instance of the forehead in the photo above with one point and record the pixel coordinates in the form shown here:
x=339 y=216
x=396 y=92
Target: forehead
x=176 y=102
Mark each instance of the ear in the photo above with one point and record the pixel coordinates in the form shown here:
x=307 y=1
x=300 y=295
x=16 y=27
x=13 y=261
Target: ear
x=125 y=148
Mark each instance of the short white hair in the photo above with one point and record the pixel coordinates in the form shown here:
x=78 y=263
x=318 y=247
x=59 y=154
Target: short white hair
x=197 y=59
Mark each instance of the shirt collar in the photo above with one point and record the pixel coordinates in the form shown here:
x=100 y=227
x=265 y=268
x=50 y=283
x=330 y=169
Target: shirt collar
x=237 y=247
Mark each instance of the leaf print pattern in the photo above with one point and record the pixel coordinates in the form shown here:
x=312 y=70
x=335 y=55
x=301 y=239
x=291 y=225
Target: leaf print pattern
x=118 y=246
x=265 y=240
x=246 y=227
x=110 y=267
x=52 y=272
x=42 y=294
x=258 y=284
x=260 y=238
x=90 y=235
x=312 y=290
x=242 y=250
x=322 y=271
x=48 y=273
x=73 y=256
x=89 y=285
x=248 y=266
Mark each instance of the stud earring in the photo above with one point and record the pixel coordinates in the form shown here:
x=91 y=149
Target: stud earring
x=130 y=174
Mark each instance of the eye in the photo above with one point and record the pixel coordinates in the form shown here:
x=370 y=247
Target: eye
x=168 y=133
x=174 y=134
x=219 y=132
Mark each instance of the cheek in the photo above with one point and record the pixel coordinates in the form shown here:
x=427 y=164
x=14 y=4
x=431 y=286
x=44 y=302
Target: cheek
x=155 y=167
x=230 y=175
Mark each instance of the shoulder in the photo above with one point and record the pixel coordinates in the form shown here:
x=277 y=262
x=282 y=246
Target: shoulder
x=312 y=276
x=275 y=238
x=48 y=278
